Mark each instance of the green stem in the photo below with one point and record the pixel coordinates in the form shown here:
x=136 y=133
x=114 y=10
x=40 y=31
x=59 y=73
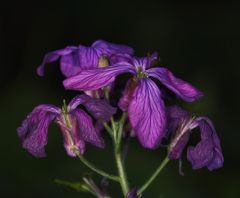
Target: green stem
x=93 y=168
x=122 y=174
x=154 y=176
x=118 y=155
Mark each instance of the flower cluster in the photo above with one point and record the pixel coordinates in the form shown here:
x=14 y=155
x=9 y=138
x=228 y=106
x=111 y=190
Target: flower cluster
x=93 y=70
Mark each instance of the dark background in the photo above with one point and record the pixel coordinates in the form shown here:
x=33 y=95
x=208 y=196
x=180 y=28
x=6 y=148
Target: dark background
x=199 y=42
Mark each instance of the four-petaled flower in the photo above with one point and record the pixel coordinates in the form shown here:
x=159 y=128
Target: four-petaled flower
x=207 y=152
x=75 y=59
x=76 y=125
x=142 y=98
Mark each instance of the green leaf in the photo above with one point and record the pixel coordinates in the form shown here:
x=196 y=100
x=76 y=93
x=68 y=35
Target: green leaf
x=78 y=186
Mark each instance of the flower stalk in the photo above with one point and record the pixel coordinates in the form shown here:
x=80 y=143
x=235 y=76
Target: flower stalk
x=95 y=169
x=154 y=176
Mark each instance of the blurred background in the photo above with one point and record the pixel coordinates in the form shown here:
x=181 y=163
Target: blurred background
x=199 y=42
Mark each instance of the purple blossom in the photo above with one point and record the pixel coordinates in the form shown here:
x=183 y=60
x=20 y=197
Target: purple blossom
x=142 y=98
x=75 y=124
x=207 y=152
x=74 y=59
x=133 y=193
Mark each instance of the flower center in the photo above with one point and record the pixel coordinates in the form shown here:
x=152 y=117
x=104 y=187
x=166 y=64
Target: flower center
x=103 y=62
x=141 y=73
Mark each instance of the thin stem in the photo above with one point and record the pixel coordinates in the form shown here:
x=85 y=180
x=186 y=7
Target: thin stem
x=108 y=129
x=120 y=130
x=122 y=174
x=93 y=168
x=118 y=155
x=154 y=176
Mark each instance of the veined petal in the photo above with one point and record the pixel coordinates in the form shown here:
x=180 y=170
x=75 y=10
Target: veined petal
x=118 y=58
x=79 y=59
x=110 y=48
x=145 y=62
x=147 y=114
x=181 y=88
x=100 y=109
x=96 y=78
x=34 y=129
x=208 y=151
x=175 y=116
x=87 y=131
x=53 y=56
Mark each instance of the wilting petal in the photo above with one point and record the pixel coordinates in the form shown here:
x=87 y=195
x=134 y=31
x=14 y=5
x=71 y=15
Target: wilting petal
x=34 y=129
x=175 y=115
x=181 y=88
x=72 y=136
x=152 y=59
x=109 y=48
x=100 y=109
x=79 y=59
x=147 y=114
x=96 y=78
x=128 y=94
x=53 y=56
x=208 y=151
x=86 y=128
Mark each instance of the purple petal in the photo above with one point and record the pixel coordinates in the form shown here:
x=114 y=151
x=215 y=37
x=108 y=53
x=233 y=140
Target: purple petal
x=128 y=94
x=110 y=48
x=77 y=100
x=79 y=59
x=117 y=58
x=181 y=88
x=145 y=62
x=53 y=56
x=100 y=109
x=133 y=193
x=34 y=129
x=96 y=78
x=72 y=137
x=147 y=114
x=176 y=151
x=86 y=128
x=175 y=116
x=208 y=151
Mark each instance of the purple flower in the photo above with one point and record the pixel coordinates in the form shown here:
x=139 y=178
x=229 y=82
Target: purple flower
x=74 y=59
x=133 y=193
x=207 y=152
x=75 y=124
x=142 y=98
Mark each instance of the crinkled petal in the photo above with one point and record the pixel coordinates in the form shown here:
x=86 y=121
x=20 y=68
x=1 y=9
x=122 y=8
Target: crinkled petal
x=100 y=109
x=181 y=88
x=86 y=128
x=109 y=48
x=147 y=114
x=152 y=59
x=208 y=151
x=178 y=148
x=34 y=129
x=80 y=59
x=96 y=78
x=53 y=56
x=128 y=94
x=175 y=115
